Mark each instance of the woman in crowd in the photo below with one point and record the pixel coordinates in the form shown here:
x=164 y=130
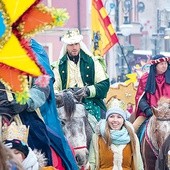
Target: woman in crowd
x=115 y=145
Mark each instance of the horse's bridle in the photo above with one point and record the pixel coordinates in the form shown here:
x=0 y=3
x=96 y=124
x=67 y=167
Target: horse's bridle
x=162 y=119
x=80 y=147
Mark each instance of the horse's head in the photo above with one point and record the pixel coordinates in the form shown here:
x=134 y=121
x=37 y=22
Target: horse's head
x=75 y=133
x=162 y=120
x=74 y=125
x=156 y=133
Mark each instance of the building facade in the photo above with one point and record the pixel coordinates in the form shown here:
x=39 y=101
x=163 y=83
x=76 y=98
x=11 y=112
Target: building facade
x=150 y=21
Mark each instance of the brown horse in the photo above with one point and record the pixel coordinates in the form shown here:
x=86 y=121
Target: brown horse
x=157 y=130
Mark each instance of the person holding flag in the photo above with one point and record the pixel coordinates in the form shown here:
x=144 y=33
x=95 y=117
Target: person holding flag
x=79 y=69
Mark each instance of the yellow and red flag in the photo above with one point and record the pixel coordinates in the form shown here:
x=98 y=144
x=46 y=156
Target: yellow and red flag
x=103 y=33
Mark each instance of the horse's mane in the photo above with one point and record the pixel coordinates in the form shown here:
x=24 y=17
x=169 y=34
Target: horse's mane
x=66 y=100
x=69 y=104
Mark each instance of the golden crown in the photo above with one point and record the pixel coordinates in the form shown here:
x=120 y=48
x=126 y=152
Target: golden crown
x=14 y=131
x=114 y=102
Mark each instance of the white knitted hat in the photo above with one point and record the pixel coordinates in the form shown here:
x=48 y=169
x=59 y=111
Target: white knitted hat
x=115 y=110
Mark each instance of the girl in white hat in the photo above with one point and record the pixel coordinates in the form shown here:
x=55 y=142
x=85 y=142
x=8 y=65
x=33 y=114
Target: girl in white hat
x=115 y=145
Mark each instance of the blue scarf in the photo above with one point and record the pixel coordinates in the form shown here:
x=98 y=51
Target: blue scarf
x=118 y=137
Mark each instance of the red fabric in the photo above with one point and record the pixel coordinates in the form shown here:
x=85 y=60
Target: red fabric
x=140 y=93
x=57 y=162
x=161 y=90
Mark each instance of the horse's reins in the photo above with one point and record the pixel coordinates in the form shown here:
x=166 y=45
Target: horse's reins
x=80 y=147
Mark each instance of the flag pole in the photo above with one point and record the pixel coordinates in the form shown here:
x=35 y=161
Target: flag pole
x=124 y=57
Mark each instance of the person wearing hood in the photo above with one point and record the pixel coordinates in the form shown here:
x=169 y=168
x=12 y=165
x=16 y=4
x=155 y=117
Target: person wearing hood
x=152 y=86
x=79 y=69
x=115 y=145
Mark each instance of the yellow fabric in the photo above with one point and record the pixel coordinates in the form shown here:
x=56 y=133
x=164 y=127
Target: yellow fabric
x=103 y=12
x=14 y=55
x=102 y=26
x=17 y=8
x=137 y=123
x=110 y=28
x=74 y=76
x=132 y=78
x=96 y=26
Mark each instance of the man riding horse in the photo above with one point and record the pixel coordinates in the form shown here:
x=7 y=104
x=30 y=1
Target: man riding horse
x=152 y=87
x=79 y=69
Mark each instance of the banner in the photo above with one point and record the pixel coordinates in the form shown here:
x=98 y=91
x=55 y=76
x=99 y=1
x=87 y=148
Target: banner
x=103 y=33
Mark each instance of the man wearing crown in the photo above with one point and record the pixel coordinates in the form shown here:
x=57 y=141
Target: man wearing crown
x=79 y=69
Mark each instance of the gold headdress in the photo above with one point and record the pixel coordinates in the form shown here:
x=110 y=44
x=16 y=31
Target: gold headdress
x=14 y=131
x=114 y=102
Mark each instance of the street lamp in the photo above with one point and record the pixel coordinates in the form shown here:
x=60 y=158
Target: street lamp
x=156 y=42
x=167 y=32
x=126 y=30
x=167 y=37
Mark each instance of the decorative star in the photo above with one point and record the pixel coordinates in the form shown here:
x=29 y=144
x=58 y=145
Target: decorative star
x=125 y=93
x=132 y=78
x=20 y=20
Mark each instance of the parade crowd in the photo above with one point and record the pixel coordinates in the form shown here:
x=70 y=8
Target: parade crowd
x=32 y=137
